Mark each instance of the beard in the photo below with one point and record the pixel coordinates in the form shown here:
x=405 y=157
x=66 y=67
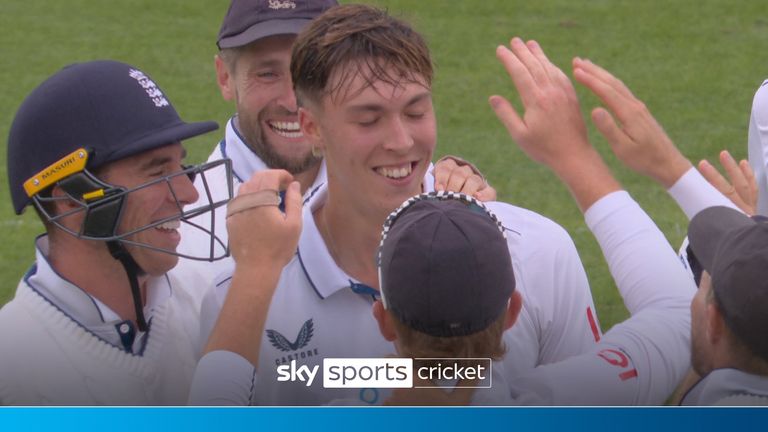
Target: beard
x=257 y=141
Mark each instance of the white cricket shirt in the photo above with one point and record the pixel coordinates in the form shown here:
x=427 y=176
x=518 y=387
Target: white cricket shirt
x=639 y=361
x=319 y=311
x=198 y=276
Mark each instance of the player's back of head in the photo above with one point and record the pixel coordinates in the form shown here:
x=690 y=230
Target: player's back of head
x=446 y=276
x=733 y=249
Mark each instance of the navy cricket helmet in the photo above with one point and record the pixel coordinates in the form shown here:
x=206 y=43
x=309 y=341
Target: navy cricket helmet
x=107 y=108
x=88 y=115
x=84 y=117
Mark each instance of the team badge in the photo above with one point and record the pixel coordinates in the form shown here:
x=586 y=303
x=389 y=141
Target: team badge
x=302 y=339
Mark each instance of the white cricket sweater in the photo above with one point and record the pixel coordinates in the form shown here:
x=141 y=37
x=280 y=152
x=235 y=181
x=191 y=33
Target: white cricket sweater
x=47 y=358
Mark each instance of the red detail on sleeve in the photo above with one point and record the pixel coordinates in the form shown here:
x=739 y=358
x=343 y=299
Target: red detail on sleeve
x=618 y=358
x=593 y=324
x=614 y=357
x=628 y=374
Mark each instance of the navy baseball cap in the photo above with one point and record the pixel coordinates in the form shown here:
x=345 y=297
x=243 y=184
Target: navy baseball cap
x=733 y=249
x=250 y=20
x=444 y=265
x=111 y=109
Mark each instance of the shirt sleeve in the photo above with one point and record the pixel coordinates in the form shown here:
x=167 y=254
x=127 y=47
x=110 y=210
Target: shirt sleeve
x=693 y=193
x=428 y=184
x=222 y=378
x=639 y=361
x=758 y=145
x=557 y=320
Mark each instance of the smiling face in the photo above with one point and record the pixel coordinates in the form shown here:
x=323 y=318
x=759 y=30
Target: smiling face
x=151 y=204
x=378 y=138
x=259 y=80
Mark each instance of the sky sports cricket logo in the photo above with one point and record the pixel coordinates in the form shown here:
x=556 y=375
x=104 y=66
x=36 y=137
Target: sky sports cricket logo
x=392 y=372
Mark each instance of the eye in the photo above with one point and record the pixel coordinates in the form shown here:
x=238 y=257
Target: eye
x=368 y=122
x=266 y=76
x=191 y=173
x=416 y=115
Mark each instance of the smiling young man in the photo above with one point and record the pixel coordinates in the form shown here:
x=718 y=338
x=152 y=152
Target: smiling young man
x=253 y=71
x=638 y=361
x=363 y=80
x=96 y=149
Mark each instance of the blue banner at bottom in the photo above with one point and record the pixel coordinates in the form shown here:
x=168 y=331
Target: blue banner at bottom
x=383 y=419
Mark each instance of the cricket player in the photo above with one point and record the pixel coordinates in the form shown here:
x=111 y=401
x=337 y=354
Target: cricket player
x=637 y=362
x=368 y=108
x=252 y=69
x=97 y=320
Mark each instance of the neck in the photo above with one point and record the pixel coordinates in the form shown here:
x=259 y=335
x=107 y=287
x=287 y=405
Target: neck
x=91 y=267
x=352 y=239
x=736 y=356
x=307 y=177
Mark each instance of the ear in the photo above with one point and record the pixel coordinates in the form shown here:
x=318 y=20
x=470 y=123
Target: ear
x=310 y=127
x=715 y=324
x=513 y=309
x=62 y=205
x=386 y=327
x=224 y=79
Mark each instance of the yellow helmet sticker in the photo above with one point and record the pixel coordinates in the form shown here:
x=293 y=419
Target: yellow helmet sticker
x=64 y=167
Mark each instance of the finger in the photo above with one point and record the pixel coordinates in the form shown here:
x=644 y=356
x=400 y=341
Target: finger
x=442 y=173
x=604 y=91
x=473 y=185
x=738 y=181
x=268 y=179
x=620 y=104
x=531 y=62
x=457 y=182
x=749 y=175
x=606 y=125
x=603 y=75
x=293 y=203
x=552 y=71
x=713 y=176
x=520 y=75
x=252 y=200
x=485 y=194
x=508 y=117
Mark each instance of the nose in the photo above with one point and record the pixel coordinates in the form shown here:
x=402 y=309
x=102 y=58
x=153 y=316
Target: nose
x=184 y=190
x=287 y=98
x=400 y=139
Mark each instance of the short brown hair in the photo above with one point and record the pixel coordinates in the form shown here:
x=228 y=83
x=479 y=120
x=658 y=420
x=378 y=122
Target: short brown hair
x=486 y=343
x=230 y=56
x=357 y=40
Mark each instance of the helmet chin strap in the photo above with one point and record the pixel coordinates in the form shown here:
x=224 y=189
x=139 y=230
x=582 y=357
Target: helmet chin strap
x=132 y=269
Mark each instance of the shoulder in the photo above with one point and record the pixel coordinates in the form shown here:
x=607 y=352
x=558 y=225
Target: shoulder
x=28 y=323
x=19 y=310
x=223 y=279
x=760 y=101
x=529 y=226
x=216 y=153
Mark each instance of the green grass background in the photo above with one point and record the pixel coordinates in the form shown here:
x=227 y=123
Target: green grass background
x=695 y=63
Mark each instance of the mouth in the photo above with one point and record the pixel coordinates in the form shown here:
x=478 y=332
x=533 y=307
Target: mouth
x=286 y=129
x=169 y=227
x=396 y=172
